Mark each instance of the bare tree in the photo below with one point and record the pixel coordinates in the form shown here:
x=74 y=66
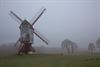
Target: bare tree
x=65 y=47
x=91 y=47
x=98 y=42
x=68 y=46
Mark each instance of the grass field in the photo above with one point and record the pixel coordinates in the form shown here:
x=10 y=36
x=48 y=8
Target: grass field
x=50 y=61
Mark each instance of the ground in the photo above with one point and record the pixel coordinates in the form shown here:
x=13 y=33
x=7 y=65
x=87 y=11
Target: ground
x=50 y=61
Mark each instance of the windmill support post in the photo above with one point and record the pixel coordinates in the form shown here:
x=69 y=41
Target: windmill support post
x=25 y=47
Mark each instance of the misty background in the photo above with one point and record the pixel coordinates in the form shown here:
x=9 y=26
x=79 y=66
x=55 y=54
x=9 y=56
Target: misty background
x=76 y=20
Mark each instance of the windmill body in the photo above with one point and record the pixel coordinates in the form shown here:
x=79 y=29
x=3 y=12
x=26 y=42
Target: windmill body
x=27 y=31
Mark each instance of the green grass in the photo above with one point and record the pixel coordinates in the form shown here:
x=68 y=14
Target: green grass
x=50 y=61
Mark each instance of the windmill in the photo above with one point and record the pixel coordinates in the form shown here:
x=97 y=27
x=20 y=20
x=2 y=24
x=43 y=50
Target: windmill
x=27 y=31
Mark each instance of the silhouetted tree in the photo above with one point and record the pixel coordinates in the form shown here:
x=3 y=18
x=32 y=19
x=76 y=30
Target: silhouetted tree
x=91 y=47
x=69 y=46
x=98 y=42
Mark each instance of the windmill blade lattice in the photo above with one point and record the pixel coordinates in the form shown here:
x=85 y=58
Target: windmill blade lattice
x=44 y=39
x=38 y=15
x=13 y=15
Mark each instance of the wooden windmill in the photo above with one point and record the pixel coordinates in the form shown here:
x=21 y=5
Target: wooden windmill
x=27 y=31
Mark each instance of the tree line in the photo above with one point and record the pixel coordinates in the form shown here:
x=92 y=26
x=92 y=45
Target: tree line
x=69 y=46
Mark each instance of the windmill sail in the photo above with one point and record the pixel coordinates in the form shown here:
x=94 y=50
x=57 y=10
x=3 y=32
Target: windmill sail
x=44 y=39
x=38 y=15
x=18 y=19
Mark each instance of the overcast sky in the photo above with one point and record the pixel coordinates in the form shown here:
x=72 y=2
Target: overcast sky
x=76 y=20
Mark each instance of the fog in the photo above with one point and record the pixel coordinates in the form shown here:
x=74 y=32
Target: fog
x=76 y=20
x=10 y=49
